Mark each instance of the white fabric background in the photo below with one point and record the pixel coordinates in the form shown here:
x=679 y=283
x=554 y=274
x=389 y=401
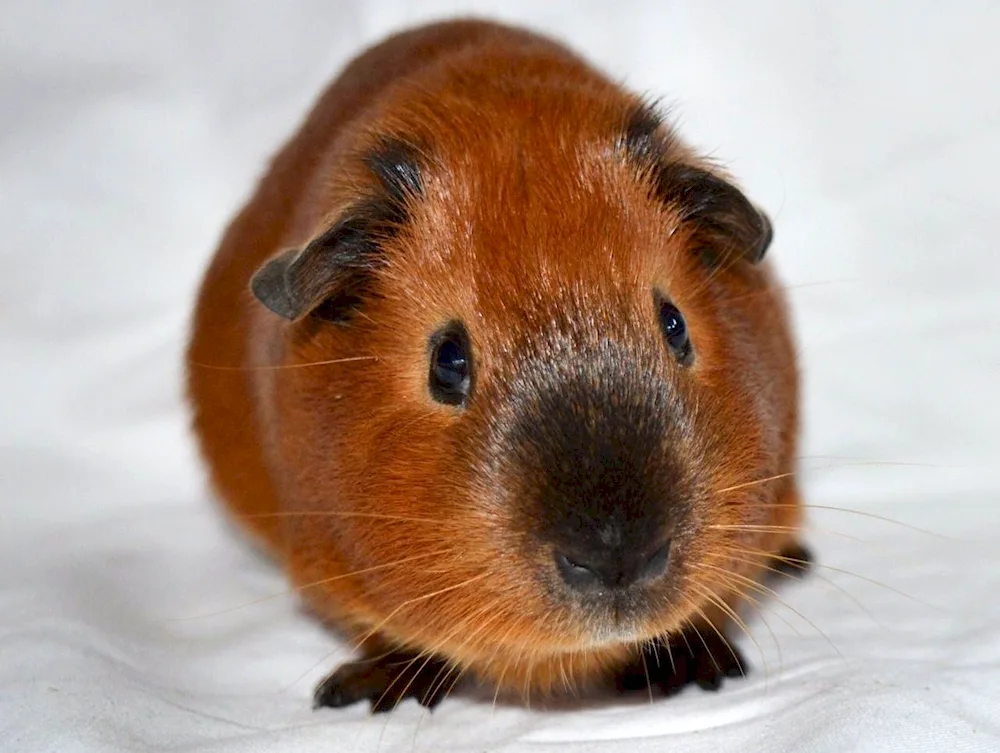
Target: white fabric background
x=129 y=133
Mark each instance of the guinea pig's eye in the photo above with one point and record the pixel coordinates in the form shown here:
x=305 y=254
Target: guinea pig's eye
x=451 y=366
x=675 y=330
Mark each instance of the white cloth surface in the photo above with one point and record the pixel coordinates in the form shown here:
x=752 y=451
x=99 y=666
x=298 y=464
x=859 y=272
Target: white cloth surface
x=129 y=134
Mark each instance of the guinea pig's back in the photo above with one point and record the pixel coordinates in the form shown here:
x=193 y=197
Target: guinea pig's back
x=227 y=329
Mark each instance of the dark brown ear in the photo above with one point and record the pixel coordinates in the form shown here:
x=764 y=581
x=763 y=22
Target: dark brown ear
x=332 y=275
x=726 y=224
x=332 y=272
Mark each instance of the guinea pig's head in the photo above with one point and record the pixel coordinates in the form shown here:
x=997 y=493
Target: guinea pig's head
x=544 y=385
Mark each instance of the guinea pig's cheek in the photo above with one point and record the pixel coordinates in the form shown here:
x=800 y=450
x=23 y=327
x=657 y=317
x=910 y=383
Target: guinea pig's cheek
x=520 y=566
x=513 y=593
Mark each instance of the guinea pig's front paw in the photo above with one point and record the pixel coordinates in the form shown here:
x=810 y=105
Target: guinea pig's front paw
x=794 y=560
x=386 y=680
x=694 y=656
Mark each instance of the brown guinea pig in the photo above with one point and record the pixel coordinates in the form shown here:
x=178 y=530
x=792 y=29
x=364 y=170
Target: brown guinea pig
x=492 y=364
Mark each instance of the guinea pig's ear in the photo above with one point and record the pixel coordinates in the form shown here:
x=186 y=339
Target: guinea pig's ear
x=726 y=224
x=722 y=217
x=330 y=272
x=330 y=276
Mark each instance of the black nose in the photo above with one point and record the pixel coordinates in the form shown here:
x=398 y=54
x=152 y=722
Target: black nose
x=606 y=568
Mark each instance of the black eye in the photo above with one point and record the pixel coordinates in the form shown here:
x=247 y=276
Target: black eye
x=675 y=330
x=451 y=367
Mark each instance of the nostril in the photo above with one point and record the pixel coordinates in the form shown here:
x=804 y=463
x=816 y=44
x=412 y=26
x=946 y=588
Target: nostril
x=656 y=564
x=613 y=570
x=575 y=573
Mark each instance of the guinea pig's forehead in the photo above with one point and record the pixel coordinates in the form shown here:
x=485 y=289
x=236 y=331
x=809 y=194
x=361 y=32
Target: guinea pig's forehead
x=573 y=263
x=554 y=229
x=548 y=318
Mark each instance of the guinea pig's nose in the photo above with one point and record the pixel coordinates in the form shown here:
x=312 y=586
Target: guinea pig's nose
x=607 y=568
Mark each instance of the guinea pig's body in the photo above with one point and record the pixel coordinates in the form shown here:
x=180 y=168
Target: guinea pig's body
x=491 y=363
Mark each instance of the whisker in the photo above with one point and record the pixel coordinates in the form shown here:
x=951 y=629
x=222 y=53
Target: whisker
x=704 y=643
x=358 y=312
x=656 y=651
x=567 y=684
x=337 y=514
x=757 y=482
x=862 y=513
x=687 y=643
x=441 y=677
x=304 y=587
x=280 y=367
x=795 y=286
x=475 y=635
x=458 y=677
x=466 y=643
x=645 y=669
x=729 y=256
x=803 y=471
x=670 y=656
x=771 y=593
x=430 y=652
x=418 y=599
x=734 y=616
x=828 y=581
x=400 y=429
x=831 y=568
x=527 y=684
x=853 y=462
x=762 y=528
x=420 y=655
x=370 y=633
x=712 y=598
x=758 y=607
x=506 y=666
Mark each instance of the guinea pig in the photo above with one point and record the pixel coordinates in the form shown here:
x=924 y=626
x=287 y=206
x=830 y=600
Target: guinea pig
x=492 y=364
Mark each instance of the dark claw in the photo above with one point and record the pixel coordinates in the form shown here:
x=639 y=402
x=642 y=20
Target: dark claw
x=794 y=560
x=694 y=656
x=385 y=681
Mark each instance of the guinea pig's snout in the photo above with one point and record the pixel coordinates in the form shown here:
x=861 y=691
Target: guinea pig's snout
x=597 y=459
x=611 y=567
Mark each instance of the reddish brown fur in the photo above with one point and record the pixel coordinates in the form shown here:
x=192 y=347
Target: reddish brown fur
x=359 y=446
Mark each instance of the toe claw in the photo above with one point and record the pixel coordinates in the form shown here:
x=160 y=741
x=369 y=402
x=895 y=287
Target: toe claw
x=703 y=658
x=794 y=560
x=385 y=682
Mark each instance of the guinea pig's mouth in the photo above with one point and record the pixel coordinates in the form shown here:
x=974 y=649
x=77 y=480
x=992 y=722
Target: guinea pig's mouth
x=624 y=598
x=620 y=620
